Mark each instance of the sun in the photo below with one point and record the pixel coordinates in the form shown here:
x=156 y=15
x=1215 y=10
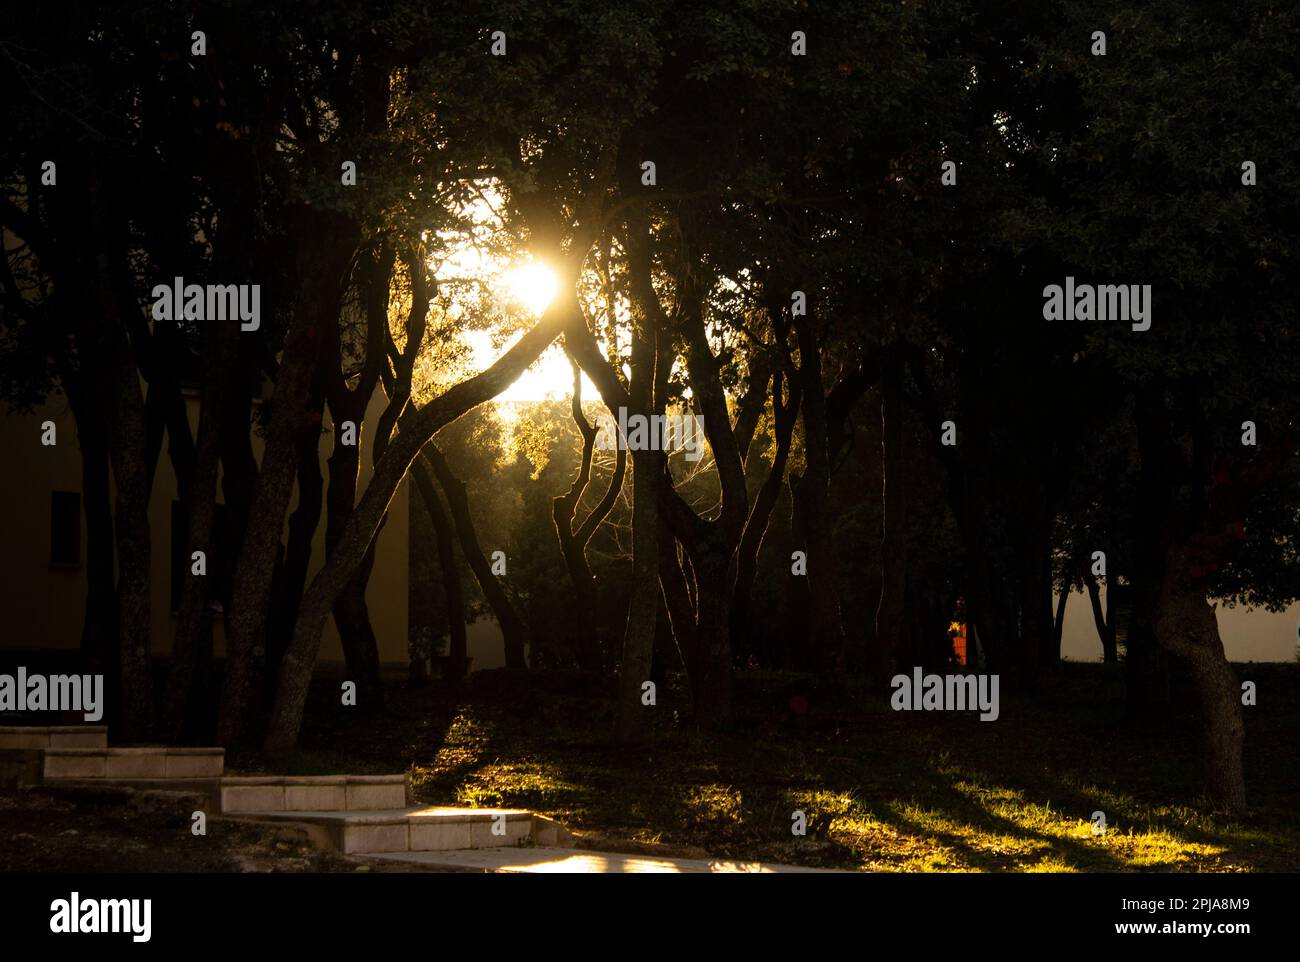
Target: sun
x=532 y=285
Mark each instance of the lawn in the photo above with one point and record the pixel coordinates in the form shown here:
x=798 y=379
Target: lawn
x=880 y=790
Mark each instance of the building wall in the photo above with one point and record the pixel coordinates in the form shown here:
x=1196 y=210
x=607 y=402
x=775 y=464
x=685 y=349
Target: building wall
x=1248 y=635
x=44 y=606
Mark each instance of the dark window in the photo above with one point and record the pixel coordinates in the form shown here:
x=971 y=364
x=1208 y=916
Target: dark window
x=65 y=528
x=219 y=558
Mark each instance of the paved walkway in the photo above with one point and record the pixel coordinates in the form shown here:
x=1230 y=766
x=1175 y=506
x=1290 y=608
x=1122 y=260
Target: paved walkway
x=568 y=860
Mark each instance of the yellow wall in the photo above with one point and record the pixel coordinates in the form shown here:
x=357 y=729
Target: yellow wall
x=44 y=607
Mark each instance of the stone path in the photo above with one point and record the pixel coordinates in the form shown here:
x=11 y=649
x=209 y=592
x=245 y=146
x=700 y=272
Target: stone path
x=541 y=860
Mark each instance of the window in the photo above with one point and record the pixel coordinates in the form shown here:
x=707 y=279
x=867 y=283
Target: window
x=65 y=529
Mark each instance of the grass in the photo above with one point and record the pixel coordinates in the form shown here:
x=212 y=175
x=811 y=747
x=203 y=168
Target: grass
x=880 y=790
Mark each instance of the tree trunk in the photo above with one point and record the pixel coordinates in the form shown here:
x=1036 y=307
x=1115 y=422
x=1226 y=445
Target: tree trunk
x=116 y=384
x=458 y=648
x=291 y=575
x=238 y=464
x=351 y=615
x=811 y=497
x=193 y=618
x=710 y=676
x=985 y=614
x=785 y=414
x=373 y=277
x=1050 y=648
x=98 y=634
x=1105 y=630
x=361 y=647
x=988 y=606
x=1172 y=602
x=323 y=264
x=131 y=517
x=166 y=411
x=592 y=645
x=643 y=605
x=1058 y=620
x=710 y=544
x=1186 y=627
x=890 y=611
x=512 y=626
x=295 y=675
x=677 y=600
x=798 y=595
x=1110 y=642
x=1146 y=666
x=968 y=483
x=1031 y=591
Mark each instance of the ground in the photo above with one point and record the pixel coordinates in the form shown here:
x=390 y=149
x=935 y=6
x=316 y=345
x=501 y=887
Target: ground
x=112 y=830
x=882 y=790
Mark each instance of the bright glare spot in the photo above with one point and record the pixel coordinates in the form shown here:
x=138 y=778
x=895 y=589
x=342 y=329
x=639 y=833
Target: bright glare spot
x=533 y=285
x=550 y=378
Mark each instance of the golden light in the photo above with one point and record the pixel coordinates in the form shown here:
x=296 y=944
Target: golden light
x=532 y=285
x=549 y=378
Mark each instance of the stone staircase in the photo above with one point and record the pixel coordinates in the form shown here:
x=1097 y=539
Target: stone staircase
x=115 y=763
x=366 y=816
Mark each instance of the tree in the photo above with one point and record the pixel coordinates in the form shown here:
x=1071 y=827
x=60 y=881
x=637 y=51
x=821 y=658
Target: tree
x=1152 y=191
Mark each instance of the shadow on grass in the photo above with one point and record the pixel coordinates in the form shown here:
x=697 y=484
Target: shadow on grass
x=880 y=790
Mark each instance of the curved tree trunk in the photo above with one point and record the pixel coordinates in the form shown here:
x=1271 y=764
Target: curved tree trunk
x=291 y=574
x=710 y=544
x=351 y=615
x=512 y=626
x=592 y=644
x=458 y=648
x=360 y=530
x=1104 y=622
x=760 y=515
x=373 y=277
x=361 y=647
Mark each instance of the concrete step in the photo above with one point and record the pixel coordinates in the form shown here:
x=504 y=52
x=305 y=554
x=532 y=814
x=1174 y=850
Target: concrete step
x=421 y=829
x=57 y=736
x=240 y=794
x=124 y=763
x=312 y=793
x=560 y=860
